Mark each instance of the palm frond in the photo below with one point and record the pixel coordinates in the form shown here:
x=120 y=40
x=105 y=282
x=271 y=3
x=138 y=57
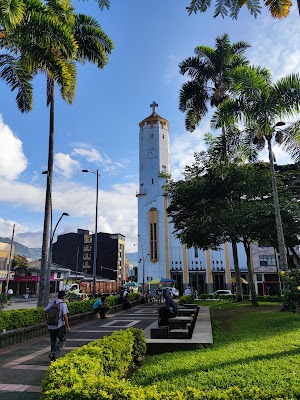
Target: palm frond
x=279 y=8
x=198 y=5
x=11 y=13
x=93 y=44
x=17 y=77
x=291 y=140
x=103 y=4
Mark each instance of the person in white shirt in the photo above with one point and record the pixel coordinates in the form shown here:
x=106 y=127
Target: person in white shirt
x=187 y=291
x=58 y=333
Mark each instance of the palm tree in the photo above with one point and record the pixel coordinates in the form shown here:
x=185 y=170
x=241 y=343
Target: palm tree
x=277 y=8
x=25 y=30
x=210 y=83
x=92 y=45
x=261 y=106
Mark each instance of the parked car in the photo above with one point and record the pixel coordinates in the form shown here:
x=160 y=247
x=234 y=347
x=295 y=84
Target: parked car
x=83 y=296
x=174 y=291
x=222 y=292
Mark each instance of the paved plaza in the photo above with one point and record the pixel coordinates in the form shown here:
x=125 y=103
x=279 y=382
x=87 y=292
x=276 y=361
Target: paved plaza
x=23 y=365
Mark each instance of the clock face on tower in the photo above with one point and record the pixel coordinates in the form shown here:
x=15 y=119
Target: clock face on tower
x=151 y=153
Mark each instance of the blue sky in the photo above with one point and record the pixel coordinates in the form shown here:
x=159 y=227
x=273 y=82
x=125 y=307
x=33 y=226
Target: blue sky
x=100 y=130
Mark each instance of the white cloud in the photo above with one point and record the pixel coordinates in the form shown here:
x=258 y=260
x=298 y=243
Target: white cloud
x=106 y=164
x=276 y=45
x=12 y=159
x=65 y=165
x=90 y=155
x=22 y=194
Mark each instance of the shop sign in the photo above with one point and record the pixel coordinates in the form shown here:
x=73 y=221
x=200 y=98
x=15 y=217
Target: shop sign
x=3 y=274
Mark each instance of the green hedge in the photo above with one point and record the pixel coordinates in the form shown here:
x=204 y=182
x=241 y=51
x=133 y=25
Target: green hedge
x=14 y=319
x=95 y=368
x=188 y=299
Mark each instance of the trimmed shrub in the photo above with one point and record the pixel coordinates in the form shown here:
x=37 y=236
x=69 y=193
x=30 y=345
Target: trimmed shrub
x=97 y=369
x=188 y=299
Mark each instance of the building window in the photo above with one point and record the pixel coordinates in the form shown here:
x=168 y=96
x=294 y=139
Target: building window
x=163 y=168
x=152 y=181
x=267 y=260
x=196 y=252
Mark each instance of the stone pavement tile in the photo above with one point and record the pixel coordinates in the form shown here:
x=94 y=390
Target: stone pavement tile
x=20 y=396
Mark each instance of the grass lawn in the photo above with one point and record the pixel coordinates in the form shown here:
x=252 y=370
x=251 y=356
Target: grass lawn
x=253 y=348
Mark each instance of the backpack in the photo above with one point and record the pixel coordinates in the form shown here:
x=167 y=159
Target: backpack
x=53 y=314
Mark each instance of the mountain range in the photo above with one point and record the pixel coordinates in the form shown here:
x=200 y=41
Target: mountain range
x=21 y=250
x=35 y=253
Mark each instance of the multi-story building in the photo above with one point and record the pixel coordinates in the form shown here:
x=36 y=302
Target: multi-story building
x=160 y=253
x=7 y=252
x=76 y=252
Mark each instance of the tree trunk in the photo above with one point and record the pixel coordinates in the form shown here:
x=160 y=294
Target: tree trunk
x=43 y=297
x=250 y=274
x=283 y=265
x=239 y=289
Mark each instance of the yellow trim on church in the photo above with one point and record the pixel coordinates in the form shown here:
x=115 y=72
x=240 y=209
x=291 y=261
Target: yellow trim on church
x=208 y=267
x=227 y=264
x=185 y=266
x=168 y=275
x=152 y=119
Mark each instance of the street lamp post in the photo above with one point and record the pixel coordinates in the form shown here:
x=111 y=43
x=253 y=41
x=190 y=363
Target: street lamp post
x=96 y=228
x=48 y=274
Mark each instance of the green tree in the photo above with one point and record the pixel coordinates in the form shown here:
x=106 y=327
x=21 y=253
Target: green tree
x=261 y=106
x=92 y=45
x=26 y=28
x=210 y=84
x=212 y=205
x=19 y=263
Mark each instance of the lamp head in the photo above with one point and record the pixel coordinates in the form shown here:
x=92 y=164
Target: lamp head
x=85 y=170
x=66 y=214
x=45 y=173
x=280 y=123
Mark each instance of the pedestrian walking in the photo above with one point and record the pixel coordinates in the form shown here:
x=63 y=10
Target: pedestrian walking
x=58 y=324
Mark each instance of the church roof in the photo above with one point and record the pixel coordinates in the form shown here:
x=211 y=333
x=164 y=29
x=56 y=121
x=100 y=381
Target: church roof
x=153 y=118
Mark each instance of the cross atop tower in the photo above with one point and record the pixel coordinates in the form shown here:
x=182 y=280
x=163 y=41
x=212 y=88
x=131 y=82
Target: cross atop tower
x=153 y=105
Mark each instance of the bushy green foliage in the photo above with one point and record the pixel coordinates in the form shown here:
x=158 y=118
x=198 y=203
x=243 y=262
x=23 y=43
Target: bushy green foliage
x=291 y=293
x=20 y=318
x=188 y=299
x=3 y=301
x=96 y=370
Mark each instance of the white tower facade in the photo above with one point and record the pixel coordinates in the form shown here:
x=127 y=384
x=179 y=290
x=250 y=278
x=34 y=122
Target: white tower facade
x=160 y=253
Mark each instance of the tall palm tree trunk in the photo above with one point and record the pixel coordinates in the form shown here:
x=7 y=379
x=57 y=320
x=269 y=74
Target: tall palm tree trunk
x=250 y=274
x=283 y=264
x=239 y=289
x=43 y=297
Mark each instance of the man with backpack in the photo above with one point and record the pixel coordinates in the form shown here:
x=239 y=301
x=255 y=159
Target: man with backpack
x=58 y=324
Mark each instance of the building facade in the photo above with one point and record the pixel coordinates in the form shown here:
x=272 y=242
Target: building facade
x=76 y=252
x=160 y=253
x=7 y=252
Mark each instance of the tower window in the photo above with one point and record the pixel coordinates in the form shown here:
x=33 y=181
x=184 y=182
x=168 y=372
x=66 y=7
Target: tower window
x=196 y=252
x=153 y=219
x=163 y=136
x=152 y=181
x=151 y=135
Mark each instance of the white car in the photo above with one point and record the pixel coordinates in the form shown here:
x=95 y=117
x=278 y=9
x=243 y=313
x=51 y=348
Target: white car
x=174 y=291
x=222 y=292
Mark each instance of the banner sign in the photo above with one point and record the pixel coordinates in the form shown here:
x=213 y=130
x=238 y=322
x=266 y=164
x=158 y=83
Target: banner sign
x=3 y=274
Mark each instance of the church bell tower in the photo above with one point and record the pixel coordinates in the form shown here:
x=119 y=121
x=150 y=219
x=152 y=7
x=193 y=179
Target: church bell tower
x=154 y=169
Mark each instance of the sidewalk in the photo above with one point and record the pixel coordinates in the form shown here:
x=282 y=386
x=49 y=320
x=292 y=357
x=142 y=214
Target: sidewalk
x=23 y=365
